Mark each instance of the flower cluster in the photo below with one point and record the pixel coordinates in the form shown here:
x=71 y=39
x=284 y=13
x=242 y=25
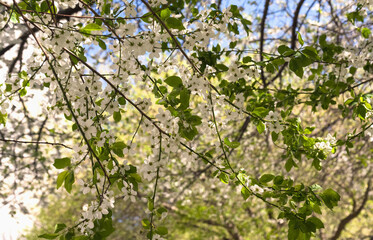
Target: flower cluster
x=274 y=124
x=326 y=144
x=95 y=210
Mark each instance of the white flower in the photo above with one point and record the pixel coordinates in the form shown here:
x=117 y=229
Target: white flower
x=273 y=116
x=256 y=189
x=331 y=139
x=86 y=189
x=275 y=127
x=157 y=237
x=90 y=224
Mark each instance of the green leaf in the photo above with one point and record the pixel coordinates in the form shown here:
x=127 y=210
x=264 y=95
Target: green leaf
x=222 y=67
x=122 y=101
x=145 y=223
x=91 y=27
x=365 y=32
x=101 y=43
x=3 y=118
x=8 y=87
x=49 y=235
x=266 y=178
x=22 y=92
x=61 y=178
x=188 y=133
x=81 y=238
x=290 y=164
x=69 y=181
x=175 y=23
x=278 y=62
x=118 y=147
x=174 y=81
x=318 y=223
x=261 y=111
x=278 y=180
x=70 y=235
x=150 y=204
x=247 y=59
x=285 y=50
x=300 y=39
x=14 y=18
x=260 y=127
x=311 y=53
x=270 y=68
x=293 y=231
x=184 y=99
x=224 y=177
x=245 y=193
x=165 y=13
x=60 y=163
x=296 y=67
x=194 y=120
x=330 y=198
x=59 y=227
x=74 y=60
x=361 y=111
x=161 y=210
x=147 y=17
x=293 y=234
x=161 y=230
x=231 y=144
x=106 y=8
x=117 y=116
x=274 y=136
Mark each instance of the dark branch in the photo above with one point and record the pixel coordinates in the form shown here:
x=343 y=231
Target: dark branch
x=293 y=38
x=34 y=142
x=352 y=215
x=262 y=26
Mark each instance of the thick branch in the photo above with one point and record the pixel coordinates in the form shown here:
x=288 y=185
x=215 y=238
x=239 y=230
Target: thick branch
x=262 y=26
x=352 y=215
x=293 y=38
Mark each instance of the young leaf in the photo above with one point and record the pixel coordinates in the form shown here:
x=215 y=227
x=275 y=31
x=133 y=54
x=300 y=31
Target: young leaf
x=101 y=44
x=330 y=198
x=61 y=178
x=296 y=67
x=184 y=99
x=91 y=27
x=117 y=116
x=261 y=127
x=318 y=223
x=224 y=178
x=60 y=163
x=69 y=181
x=261 y=111
x=122 y=101
x=231 y=144
x=165 y=13
x=59 y=227
x=245 y=193
x=175 y=23
x=174 y=81
x=365 y=32
x=266 y=178
x=161 y=230
x=300 y=39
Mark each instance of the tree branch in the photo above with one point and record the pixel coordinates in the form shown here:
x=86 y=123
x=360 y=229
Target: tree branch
x=352 y=215
x=262 y=26
x=293 y=38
